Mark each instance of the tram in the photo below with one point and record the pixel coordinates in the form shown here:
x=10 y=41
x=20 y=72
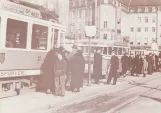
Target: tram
x=106 y=48
x=25 y=39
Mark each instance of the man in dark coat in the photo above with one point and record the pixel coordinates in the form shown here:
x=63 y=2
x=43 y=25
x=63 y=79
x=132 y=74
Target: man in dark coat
x=97 y=66
x=150 y=64
x=132 y=64
x=125 y=66
x=47 y=80
x=139 y=64
x=76 y=68
x=114 y=67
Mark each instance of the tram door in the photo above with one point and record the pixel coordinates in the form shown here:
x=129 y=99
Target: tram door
x=54 y=39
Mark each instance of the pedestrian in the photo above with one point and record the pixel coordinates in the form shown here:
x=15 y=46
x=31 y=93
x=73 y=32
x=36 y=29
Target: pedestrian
x=60 y=74
x=76 y=68
x=150 y=64
x=114 y=64
x=125 y=66
x=145 y=66
x=132 y=64
x=139 y=65
x=97 y=66
x=47 y=77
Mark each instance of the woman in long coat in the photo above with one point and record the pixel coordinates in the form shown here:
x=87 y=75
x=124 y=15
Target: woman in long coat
x=150 y=64
x=47 y=81
x=125 y=66
x=145 y=66
x=139 y=65
x=97 y=66
x=76 y=67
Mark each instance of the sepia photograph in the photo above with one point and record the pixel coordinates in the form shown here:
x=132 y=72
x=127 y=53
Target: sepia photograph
x=80 y=56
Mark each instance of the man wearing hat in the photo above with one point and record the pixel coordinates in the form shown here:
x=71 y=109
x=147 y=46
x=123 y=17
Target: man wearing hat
x=125 y=66
x=114 y=68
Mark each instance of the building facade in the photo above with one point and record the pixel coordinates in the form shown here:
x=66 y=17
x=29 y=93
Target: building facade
x=115 y=21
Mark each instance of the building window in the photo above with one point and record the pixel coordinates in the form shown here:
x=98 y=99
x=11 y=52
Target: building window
x=105 y=24
x=153 y=19
x=138 y=43
x=73 y=36
x=39 y=37
x=132 y=29
x=139 y=29
x=145 y=40
x=153 y=29
x=146 y=29
x=80 y=2
x=105 y=1
x=16 y=35
x=105 y=36
x=131 y=43
x=146 y=19
x=73 y=14
x=79 y=26
x=80 y=13
x=79 y=36
x=139 y=19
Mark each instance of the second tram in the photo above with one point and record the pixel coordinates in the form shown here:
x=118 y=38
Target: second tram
x=106 y=48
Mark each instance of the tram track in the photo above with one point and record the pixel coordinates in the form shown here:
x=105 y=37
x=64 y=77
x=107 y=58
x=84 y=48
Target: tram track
x=110 y=100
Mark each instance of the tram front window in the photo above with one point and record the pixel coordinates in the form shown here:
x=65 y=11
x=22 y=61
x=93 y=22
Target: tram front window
x=39 y=37
x=105 y=51
x=119 y=51
x=115 y=50
x=109 y=50
x=16 y=35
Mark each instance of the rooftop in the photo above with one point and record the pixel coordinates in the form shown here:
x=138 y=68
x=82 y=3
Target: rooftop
x=141 y=2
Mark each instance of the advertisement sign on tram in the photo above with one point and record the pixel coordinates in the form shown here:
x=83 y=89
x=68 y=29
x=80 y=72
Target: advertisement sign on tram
x=16 y=8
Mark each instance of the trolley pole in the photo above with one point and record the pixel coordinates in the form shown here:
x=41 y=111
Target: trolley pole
x=90 y=32
x=89 y=63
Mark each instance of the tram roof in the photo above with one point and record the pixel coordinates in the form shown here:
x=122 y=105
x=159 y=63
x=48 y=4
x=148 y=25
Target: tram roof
x=45 y=13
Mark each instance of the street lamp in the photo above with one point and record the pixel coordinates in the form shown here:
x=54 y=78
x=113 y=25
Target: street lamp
x=90 y=32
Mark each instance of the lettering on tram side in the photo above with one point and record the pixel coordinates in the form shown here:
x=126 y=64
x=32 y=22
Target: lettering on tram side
x=11 y=73
x=16 y=8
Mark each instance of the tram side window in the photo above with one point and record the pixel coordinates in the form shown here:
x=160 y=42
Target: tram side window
x=120 y=51
x=39 y=37
x=105 y=51
x=16 y=35
x=115 y=50
x=109 y=50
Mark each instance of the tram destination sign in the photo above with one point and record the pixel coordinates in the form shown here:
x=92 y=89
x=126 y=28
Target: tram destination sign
x=16 y=8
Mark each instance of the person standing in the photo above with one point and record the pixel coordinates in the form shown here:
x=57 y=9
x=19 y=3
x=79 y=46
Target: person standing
x=47 y=77
x=60 y=74
x=76 y=68
x=113 y=70
x=150 y=64
x=125 y=66
x=144 y=67
x=139 y=65
x=132 y=64
x=97 y=66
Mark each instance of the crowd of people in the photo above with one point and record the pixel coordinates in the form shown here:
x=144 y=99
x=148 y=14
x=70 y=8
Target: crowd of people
x=140 y=64
x=62 y=70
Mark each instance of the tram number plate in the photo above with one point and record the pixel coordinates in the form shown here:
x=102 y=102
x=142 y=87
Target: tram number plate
x=11 y=73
